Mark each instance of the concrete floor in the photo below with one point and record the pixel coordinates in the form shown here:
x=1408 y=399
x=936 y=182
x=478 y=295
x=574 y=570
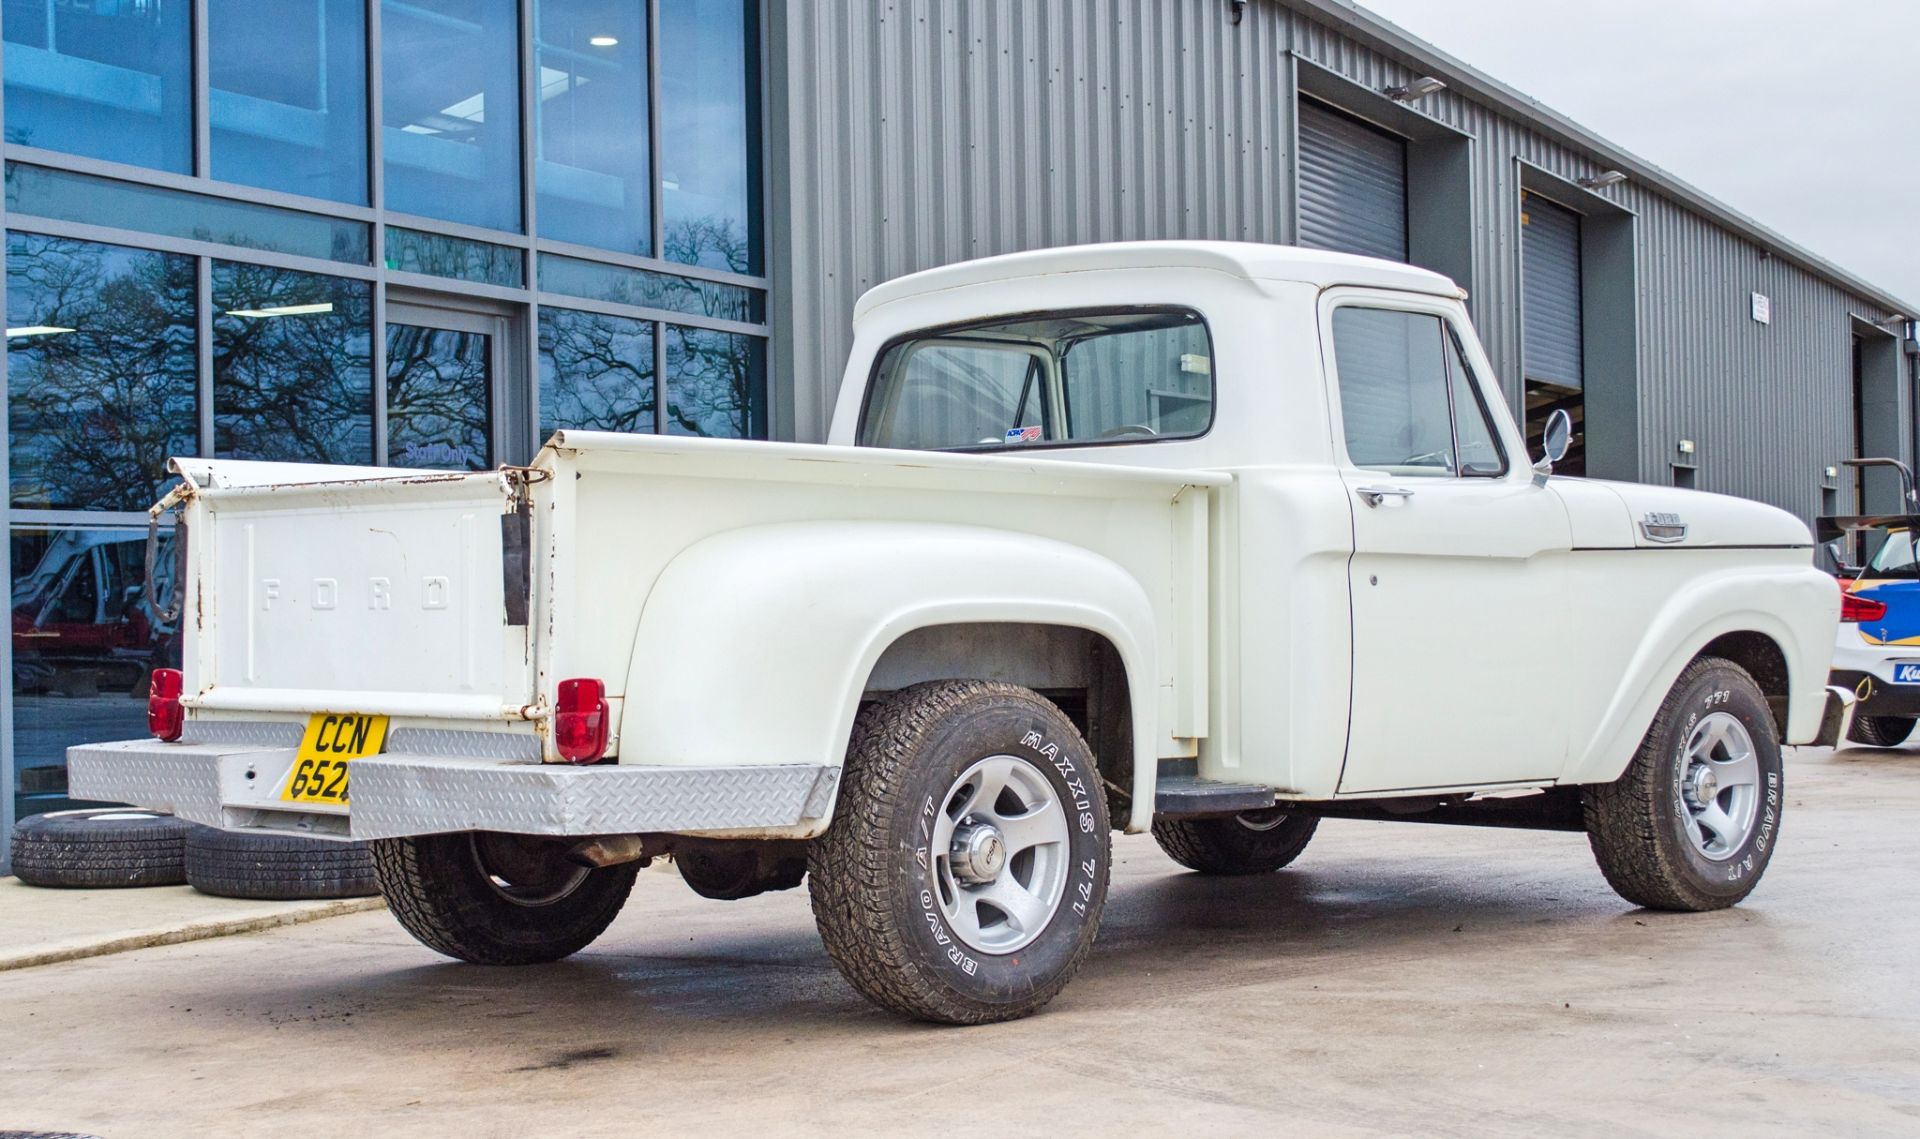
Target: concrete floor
x=1399 y=980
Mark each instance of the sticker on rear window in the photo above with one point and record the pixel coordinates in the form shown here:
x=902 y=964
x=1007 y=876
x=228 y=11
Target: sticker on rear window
x=1023 y=435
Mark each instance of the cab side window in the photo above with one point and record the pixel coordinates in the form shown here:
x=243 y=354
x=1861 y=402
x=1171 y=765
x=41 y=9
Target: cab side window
x=1408 y=402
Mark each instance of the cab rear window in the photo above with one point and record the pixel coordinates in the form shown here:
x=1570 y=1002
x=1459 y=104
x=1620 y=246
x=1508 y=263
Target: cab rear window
x=1050 y=379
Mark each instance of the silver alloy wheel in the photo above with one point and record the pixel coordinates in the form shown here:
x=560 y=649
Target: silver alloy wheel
x=1719 y=785
x=1000 y=854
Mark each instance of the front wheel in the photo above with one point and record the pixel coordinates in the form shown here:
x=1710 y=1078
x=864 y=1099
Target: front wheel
x=1881 y=731
x=498 y=899
x=1692 y=823
x=963 y=876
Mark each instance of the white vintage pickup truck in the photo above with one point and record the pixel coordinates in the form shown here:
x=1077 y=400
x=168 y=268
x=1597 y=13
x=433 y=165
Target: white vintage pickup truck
x=1208 y=540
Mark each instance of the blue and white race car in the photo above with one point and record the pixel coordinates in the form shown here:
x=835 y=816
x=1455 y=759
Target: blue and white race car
x=1877 y=653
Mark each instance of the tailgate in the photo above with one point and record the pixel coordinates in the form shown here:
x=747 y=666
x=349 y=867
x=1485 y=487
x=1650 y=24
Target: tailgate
x=318 y=589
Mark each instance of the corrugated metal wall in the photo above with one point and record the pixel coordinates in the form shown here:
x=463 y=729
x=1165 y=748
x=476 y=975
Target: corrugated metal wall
x=913 y=133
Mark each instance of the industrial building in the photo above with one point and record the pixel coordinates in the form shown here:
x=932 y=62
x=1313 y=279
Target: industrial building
x=424 y=233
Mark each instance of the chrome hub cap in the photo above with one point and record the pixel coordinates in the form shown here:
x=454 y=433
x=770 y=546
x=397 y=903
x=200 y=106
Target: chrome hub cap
x=1703 y=786
x=1000 y=854
x=1719 y=785
x=979 y=853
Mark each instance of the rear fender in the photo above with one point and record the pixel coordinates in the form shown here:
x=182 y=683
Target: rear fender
x=755 y=645
x=1796 y=609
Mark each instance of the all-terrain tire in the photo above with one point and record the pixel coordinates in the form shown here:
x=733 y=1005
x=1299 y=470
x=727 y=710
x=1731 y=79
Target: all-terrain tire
x=495 y=899
x=878 y=888
x=1254 y=842
x=1638 y=825
x=100 y=848
x=1881 y=731
x=277 y=867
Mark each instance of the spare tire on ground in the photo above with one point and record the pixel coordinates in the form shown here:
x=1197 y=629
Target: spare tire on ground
x=101 y=847
x=277 y=867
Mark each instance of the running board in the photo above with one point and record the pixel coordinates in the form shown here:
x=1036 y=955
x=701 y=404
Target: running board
x=1188 y=796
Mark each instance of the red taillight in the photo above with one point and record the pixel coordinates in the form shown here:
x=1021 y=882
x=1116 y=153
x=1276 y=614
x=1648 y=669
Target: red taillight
x=165 y=716
x=580 y=720
x=1854 y=609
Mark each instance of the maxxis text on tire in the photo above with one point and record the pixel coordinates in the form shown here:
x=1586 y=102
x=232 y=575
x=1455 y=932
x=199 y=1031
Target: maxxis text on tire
x=498 y=899
x=277 y=867
x=1881 y=731
x=901 y=922
x=1255 y=842
x=100 y=848
x=1639 y=826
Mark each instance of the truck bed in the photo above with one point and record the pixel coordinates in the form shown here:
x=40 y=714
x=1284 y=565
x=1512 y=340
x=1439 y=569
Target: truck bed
x=455 y=603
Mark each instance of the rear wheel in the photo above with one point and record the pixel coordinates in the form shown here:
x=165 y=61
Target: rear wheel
x=1881 y=731
x=498 y=899
x=1253 y=842
x=1693 y=822
x=964 y=873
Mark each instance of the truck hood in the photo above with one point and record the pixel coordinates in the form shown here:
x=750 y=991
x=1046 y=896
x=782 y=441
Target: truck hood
x=1665 y=517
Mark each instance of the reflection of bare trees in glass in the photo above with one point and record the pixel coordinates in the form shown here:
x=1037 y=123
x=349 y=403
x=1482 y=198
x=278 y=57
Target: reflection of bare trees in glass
x=715 y=385
x=596 y=372
x=715 y=242
x=96 y=412
x=296 y=387
x=438 y=393
x=716 y=382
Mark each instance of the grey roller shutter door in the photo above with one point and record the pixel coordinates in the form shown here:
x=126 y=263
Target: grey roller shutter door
x=1550 y=293
x=1353 y=185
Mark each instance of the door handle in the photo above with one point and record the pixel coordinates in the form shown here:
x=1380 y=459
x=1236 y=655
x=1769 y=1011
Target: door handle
x=1374 y=495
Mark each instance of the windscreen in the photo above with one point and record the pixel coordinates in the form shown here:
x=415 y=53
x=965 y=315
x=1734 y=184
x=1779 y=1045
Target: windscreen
x=1047 y=379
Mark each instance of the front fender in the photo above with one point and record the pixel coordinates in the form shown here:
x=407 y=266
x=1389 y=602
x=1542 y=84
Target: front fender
x=755 y=645
x=1795 y=607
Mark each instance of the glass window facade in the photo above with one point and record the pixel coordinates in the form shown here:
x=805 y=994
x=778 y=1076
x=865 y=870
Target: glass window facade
x=111 y=80
x=596 y=372
x=450 y=96
x=709 y=175
x=594 y=178
x=85 y=638
x=438 y=255
x=233 y=263
x=599 y=281
x=66 y=196
x=100 y=372
x=292 y=378
x=716 y=383
x=288 y=105
x=439 y=398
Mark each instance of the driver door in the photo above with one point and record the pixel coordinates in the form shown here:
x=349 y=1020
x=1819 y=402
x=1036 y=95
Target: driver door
x=1458 y=578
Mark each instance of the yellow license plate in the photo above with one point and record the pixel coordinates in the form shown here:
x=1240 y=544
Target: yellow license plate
x=333 y=740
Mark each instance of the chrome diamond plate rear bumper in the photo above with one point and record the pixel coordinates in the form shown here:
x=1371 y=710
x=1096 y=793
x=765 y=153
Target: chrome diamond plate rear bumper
x=401 y=795
x=236 y=787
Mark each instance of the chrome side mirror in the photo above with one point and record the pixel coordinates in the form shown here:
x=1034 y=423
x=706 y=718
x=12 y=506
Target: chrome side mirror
x=1554 y=441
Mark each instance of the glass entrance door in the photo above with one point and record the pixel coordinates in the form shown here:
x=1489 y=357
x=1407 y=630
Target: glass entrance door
x=444 y=368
